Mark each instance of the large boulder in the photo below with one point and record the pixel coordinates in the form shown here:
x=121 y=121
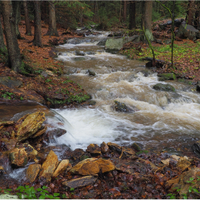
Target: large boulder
x=49 y=166
x=164 y=87
x=166 y=76
x=113 y=44
x=10 y=82
x=29 y=125
x=92 y=166
x=187 y=31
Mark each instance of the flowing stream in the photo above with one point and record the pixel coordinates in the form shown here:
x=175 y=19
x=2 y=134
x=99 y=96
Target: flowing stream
x=162 y=120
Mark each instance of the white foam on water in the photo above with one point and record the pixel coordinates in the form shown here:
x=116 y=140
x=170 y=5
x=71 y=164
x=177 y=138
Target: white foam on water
x=89 y=126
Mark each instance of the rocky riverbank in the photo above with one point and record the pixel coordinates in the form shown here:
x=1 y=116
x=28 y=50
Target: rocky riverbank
x=105 y=171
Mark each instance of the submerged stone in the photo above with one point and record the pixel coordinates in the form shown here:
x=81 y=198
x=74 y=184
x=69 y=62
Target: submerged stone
x=122 y=107
x=164 y=87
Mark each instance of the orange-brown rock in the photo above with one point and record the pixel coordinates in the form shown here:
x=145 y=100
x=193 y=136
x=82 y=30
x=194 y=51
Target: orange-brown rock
x=18 y=156
x=94 y=149
x=40 y=132
x=29 y=125
x=61 y=167
x=32 y=172
x=49 y=166
x=93 y=166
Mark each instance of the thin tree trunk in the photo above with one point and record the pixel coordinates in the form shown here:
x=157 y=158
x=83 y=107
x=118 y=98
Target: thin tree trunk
x=2 y=44
x=190 y=12
x=37 y=24
x=125 y=8
x=52 y=20
x=16 y=16
x=27 y=21
x=132 y=13
x=14 y=57
x=148 y=19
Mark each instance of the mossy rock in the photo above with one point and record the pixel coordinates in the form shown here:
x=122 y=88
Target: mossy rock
x=164 y=87
x=167 y=76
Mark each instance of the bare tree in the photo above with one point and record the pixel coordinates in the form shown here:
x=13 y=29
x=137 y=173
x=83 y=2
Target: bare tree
x=2 y=44
x=14 y=57
x=52 y=20
x=132 y=13
x=16 y=16
x=27 y=21
x=124 y=11
x=37 y=41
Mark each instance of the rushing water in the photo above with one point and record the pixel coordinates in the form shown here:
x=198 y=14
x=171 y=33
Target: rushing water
x=163 y=119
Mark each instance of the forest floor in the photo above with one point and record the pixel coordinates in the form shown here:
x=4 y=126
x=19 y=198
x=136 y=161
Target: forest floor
x=186 y=56
x=42 y=81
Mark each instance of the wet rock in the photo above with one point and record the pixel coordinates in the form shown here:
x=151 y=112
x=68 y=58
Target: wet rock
x=80 y=182
x=32 y=172
x=164 y=87
x=113 y=44
x=104 y=147
x=77 y=154
x=18 y=157
x=187 y=31
x=79 y=58
x=49 y=166
x=69 y=70
x=40 y=132
x=114 y=147
x=198 y=87
x=136 y=146
x=7 y=144
x=122 y=107
x=94 y=149
x=102 y=42
x=92 y=166
x=167 y=76
x=91 y=73
x=79 y=53
x=51 y=135
x=29 y=125
x=196 y=148
x=62 y=166
x=6 y=123
x=10 y=82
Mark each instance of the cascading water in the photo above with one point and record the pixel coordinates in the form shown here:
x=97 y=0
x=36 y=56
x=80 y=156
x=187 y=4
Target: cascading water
x=163 y=119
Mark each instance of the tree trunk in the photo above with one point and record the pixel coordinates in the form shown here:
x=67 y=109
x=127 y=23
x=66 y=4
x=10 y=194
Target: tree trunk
x=125 y=8
x=14 y=57
x=27 y=21
x=37 y=25
x=132 y=23
x=2 y=44
x=148 y=19
x=16 y=16
x=190 y=12
x=52 y=20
